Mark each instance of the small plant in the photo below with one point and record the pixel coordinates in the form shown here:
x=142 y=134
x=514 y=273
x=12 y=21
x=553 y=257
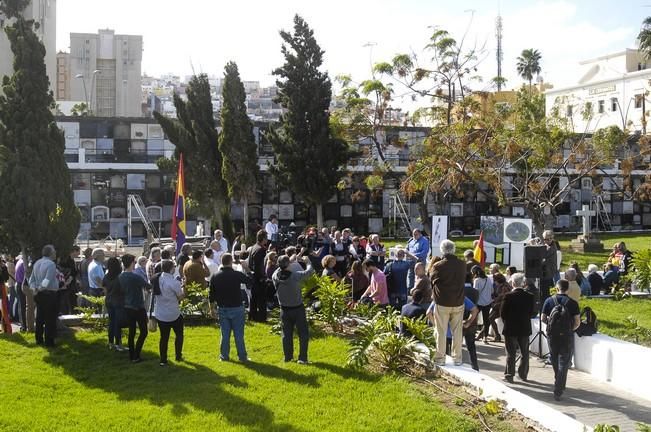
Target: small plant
x=606 y=428
x=619 y=293
x=364 y=310
x=641 y=274
x=196 y=300
x=634 y=331
x=95 y=306
x=643 y=427
x=493 y=407
x=332 y=298
x=379 y=341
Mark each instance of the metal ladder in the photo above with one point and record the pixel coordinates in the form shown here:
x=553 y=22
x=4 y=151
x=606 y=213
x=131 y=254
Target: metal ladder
x=603 y=217
x=141 y=212
x=398 y=211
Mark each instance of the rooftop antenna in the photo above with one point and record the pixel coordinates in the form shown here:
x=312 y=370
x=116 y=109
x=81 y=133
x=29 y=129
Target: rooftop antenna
x=370 y=46
x=500 y=53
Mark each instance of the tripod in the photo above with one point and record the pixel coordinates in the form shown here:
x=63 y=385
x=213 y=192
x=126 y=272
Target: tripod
x=540 y=334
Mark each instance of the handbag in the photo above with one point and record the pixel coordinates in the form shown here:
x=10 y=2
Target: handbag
x=152 y=323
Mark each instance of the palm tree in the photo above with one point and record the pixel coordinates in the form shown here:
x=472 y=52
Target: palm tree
x=528 y=64
x=644 y=37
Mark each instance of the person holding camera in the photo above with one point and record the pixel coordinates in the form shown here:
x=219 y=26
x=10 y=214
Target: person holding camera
x=292 y=310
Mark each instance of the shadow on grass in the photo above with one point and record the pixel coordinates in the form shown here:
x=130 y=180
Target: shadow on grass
x=271 y=371
x=177 y=386
x=346 y=372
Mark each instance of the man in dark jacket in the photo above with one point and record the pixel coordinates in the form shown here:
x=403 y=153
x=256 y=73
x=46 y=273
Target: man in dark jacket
x=225 y=290
x=292 y=310
x=549 y=265
x=448 y=278
x=258 y=306
x=516 y=312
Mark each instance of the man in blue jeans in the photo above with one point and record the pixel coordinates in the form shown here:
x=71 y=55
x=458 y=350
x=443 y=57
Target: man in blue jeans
x=561 y=343
x=225 y=291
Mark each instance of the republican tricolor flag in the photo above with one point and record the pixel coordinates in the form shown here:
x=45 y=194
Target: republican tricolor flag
x=479 y=253
x=178 y=218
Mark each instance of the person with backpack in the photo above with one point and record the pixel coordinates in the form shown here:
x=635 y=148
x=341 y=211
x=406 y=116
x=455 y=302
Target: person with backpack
x=562 y=316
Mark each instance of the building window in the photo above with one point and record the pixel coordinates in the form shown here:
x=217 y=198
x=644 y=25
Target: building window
x=613 y=104
x=602 y=106
x=639 y=100
x=569 y=111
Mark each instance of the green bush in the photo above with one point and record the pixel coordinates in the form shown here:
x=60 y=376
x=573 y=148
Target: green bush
x=333 y=301
x=641 y=274
x=196 y=300
x=95 y=305
x=378 y=340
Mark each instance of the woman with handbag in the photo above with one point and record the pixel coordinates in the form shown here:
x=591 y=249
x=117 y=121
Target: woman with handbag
x=114 y=304
x=168 y=293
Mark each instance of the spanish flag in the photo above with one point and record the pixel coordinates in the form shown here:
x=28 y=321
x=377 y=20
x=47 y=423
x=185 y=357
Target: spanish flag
x=479 y=253
x=178 y=217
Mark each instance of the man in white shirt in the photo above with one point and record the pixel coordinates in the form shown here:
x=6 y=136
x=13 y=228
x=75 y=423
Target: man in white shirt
x=272 y=229
x=96 y=273
x=217 y=250
x=45 y=285
x=219 y=236
x=208 y=258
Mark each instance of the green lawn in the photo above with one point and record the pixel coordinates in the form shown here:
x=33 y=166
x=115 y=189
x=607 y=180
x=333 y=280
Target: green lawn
x=612 y=315
x=81 y=385
x=634 y=242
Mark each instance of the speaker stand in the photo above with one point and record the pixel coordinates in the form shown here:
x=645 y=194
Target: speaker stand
x=540 y=334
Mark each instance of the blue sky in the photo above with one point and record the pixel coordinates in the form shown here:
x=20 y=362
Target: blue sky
x=209 y=33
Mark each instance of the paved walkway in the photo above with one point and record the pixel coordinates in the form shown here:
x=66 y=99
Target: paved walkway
x=587 y=400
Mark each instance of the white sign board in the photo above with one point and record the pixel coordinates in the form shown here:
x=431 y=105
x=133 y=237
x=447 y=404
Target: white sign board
x=517 y=232
x=439 y=233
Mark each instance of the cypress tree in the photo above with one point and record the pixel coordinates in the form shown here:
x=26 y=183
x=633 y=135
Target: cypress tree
x=237 y=143
x=194 y=133
x=38 y=206
x=309 y=159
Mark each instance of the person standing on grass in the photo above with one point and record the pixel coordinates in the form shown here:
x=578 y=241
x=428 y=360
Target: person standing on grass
x=292 y=310
x=132 y=287
x=258 y=303
x=45 y=286
x=225 y=291
x=195 y=271
x=448 y=279
x=377 y=289
x=114 y=303
x=516 y=312
x=167 y=311
x=96 y=273
x=562 y=316
x=397 y=273
x=24 y=293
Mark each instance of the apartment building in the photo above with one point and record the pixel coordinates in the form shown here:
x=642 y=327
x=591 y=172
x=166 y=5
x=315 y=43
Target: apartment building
x=105 y=72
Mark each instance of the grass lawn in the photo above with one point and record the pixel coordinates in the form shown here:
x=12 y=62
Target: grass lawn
x=634 y=242
x=612 y=314
x=81 y=385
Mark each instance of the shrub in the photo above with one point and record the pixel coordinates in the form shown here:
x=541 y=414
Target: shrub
x=94 y=305
x=378 y=340
x=332 y=297
x=196 y=300
x=641 y=274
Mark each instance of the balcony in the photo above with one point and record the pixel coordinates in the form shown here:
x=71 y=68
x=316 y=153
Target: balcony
x=132 y=156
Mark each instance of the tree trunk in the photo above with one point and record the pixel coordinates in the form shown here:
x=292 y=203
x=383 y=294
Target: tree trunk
x=319 y=215
x=423 y=213
x=245 y=216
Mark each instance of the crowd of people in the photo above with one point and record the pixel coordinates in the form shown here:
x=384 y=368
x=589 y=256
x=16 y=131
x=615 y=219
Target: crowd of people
x=141 y=293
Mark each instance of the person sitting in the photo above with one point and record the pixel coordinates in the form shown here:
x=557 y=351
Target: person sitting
x=377 y=289
x=423 y=284
x=574 y=291
x=581 y=280
x=358 y=280
x=611 y=277
x=595 y=280
x=413 y=310
x=328 y=263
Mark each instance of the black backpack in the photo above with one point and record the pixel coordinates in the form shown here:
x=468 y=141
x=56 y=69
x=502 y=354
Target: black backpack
x=588 y=325
x=559 y=322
